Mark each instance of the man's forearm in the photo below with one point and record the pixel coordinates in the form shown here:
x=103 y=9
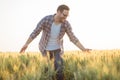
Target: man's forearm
x=29 y=40
x=80 y=46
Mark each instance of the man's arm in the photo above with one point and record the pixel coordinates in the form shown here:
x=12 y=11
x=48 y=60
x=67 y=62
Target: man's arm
x=33 y=35
x=74 y=39
x=80 y=46
x=29 y=40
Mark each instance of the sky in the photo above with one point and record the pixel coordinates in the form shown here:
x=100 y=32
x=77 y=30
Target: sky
x=94 y=22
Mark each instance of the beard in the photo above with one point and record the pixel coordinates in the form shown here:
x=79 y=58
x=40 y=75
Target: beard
x=61 y=20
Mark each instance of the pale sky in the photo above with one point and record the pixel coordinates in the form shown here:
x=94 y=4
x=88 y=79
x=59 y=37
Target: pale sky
x=94 y=22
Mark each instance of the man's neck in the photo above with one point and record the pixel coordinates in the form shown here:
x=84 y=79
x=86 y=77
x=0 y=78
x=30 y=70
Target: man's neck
x=56 y=20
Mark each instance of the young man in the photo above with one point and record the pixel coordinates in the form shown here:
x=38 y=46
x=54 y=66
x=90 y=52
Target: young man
x=54 y=27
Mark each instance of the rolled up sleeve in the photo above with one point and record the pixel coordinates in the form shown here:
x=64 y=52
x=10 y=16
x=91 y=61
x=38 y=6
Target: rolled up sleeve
x=38 y=29
x=70 y=34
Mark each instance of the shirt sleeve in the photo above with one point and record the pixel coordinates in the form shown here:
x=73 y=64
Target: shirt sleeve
x=38 y=29
x=70 y=34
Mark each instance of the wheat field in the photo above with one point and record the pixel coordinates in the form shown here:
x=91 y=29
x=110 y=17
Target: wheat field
x=78 y=65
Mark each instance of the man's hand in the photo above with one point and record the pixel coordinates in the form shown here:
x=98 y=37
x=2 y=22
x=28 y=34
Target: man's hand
x=26 y=45
x=87 y=50
x=23 y=48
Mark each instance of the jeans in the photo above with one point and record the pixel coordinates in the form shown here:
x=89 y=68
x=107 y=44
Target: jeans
x=58 y=63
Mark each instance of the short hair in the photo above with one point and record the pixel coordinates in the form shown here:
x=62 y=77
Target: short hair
x=62 y=7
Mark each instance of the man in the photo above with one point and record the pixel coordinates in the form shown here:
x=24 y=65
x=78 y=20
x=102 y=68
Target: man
x=54 y=27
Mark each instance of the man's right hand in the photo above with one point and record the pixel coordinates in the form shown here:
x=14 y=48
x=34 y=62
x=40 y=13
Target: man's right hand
x=23 y=48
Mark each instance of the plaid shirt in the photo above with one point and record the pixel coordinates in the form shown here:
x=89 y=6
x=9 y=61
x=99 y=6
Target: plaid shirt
x=45 y=26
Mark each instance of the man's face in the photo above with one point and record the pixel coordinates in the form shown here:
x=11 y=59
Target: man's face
x=63 y=15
